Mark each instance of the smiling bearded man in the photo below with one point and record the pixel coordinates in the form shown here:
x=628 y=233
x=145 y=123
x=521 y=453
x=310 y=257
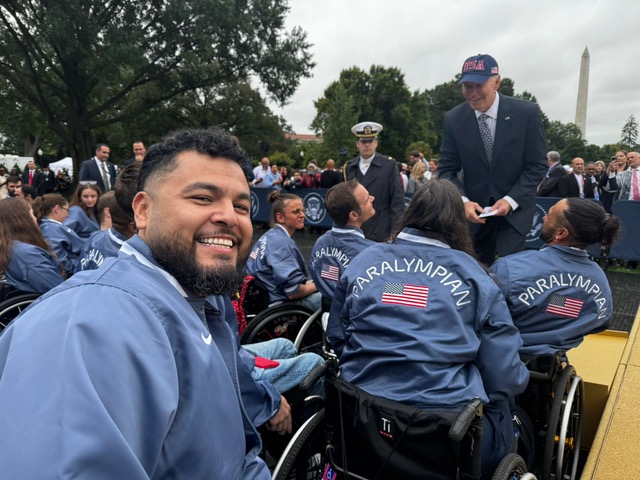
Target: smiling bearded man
x=137 y=373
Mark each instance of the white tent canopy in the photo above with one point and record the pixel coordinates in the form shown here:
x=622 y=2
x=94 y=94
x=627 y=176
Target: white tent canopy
x=66 y=162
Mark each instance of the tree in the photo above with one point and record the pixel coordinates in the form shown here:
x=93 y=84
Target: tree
x=629 y=134
x=337 y=113
x=566 y=139
x=380 y=95
x=87 y=65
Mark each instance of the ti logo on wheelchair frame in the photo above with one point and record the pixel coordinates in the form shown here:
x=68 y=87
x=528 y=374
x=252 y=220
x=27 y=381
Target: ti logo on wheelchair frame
x=255 y=205
x=536 y=225
x=314 y=208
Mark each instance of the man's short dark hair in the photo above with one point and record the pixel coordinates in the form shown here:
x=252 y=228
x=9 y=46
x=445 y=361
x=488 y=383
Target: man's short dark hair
x=29 y=191
x=100 y=145
x=126 y=188
x=14 y=179
x=340 y=202
x=215 y=142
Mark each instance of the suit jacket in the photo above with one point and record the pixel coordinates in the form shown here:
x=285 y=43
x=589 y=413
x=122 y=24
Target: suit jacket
x=568 y=186
x=518 y=160
x=383 y=182
x=622 y=182
x=90 y=171
x=38 y=178
x=549 y=185
x=48 y=184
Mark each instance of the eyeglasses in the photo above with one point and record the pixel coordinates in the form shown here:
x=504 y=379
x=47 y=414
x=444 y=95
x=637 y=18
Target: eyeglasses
x=298 y=211
x=87 y=182
x=64 y=208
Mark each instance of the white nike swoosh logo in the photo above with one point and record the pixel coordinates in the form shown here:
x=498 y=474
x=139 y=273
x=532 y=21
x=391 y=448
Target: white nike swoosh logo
x=206 y=340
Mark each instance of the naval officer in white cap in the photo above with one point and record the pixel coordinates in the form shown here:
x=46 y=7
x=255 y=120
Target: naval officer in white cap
x=380 y=177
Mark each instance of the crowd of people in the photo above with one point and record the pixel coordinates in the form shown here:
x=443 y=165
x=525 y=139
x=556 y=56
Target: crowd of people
x=139 y=371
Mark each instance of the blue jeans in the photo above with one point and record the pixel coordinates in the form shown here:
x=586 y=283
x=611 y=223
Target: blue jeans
x=293 y=368
x=312 y=301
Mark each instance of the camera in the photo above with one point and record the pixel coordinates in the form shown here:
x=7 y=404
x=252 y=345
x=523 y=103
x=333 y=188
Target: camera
x=613 y=157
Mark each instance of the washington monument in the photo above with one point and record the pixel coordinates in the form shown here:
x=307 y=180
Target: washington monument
x=583 y=93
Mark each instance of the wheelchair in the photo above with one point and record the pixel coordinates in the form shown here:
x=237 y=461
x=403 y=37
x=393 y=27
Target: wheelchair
x=12 y=303
x=265 y=323
x=359 y=436
x=554 y=402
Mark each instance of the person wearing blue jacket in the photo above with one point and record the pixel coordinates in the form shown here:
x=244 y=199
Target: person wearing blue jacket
x=137 y=374
x=349 y=205
x=275 y=259
x=83 y=214
x=27 y=263
x=557 y=295
x=420 y=322
x=107 y=243
x=51 y=210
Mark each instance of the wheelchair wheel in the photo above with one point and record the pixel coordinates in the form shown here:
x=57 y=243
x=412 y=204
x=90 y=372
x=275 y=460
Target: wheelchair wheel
x=281 y=321
x=11 y=308
x=309 y=338
x=512 y=467
x=304 y=457
x=562 y=443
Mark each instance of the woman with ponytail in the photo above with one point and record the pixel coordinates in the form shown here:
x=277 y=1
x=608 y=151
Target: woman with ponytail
x=51 y=210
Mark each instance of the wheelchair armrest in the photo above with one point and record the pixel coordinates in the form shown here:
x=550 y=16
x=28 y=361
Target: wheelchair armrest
x=463 y=420
x=314 y=375
x=540 y=376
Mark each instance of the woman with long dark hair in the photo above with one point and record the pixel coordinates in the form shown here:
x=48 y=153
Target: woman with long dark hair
x=50 y=211
x=27 y=262
x=83 y=214
x=420 y=322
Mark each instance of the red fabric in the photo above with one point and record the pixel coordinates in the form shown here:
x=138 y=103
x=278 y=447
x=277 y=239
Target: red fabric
x=311 y=180
x=238 y=303
x=266 y=363
x=30 y=177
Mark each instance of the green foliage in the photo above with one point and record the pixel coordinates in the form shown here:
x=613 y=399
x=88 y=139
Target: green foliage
x=304 y=152
x=379 y=95
x=280 y=159
x=337 y=113
x=629 y=135
x=422 y=147
x=85 y=65
x=566 y=139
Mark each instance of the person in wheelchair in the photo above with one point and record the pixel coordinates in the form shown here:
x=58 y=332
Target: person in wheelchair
x=275 y=259
x=418 y=321
x=27 y=263
x=557 y=295
x=349 y=205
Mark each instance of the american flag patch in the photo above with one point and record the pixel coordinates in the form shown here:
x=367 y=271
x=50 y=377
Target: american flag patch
x=330 y=272
x=254 y=254
x=405 y=294
x=564 y=306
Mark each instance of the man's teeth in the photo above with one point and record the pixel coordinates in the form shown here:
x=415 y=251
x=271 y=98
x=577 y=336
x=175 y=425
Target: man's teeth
x=219 y=242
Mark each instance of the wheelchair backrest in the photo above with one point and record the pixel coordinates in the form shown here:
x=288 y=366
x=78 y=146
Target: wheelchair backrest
x=256 y=298
x=386 y=439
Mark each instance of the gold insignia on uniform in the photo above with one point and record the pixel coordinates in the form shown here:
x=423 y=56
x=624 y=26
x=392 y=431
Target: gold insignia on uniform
x=367 y=130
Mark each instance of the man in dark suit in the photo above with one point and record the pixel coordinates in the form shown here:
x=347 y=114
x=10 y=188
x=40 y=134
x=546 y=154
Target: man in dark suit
x=48 y=184
x=139 y=151
x=549 y=185
x=99 y=169
x=31 y=175
x=380 y=177
x=498 y=142
x=576 y=184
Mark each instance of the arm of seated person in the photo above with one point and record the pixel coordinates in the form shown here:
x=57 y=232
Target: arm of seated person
x=281 y=421
x=305 y=290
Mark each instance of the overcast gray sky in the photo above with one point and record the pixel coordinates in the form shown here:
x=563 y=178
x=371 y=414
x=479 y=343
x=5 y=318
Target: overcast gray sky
x=538 y=44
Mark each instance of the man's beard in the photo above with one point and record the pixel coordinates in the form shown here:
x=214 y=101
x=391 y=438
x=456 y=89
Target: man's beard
x=180 y=261
x=547 y=234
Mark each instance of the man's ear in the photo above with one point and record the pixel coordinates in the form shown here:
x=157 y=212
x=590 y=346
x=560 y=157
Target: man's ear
x=353 y=216
x=141 y=207
x=107 y=212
